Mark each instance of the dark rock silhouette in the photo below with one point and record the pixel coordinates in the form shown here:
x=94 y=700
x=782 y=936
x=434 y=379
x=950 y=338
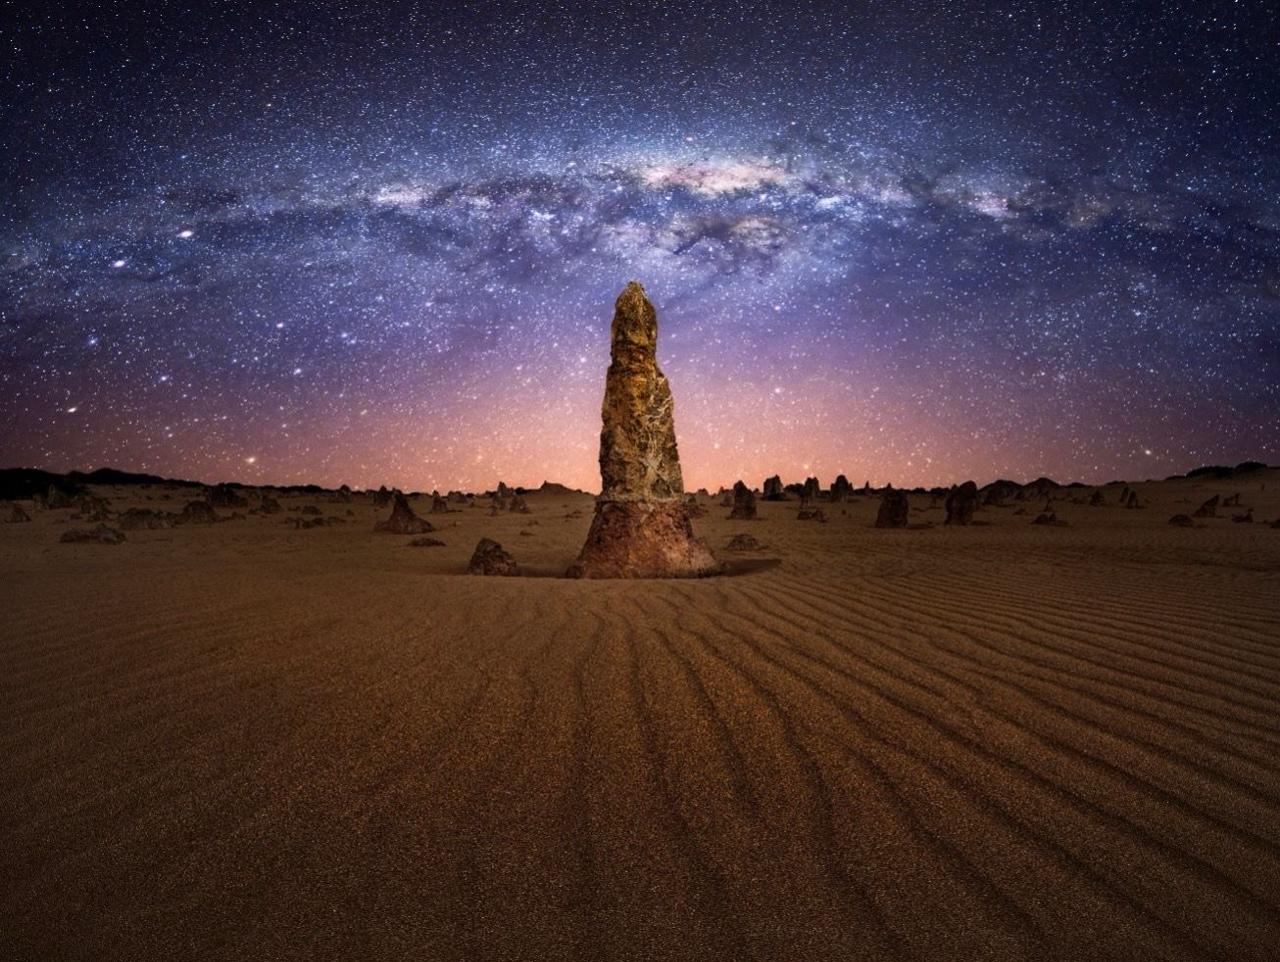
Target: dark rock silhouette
x=403 y=520
x=693 y=507
x=744 y=503
x=344 y=494
x=425 y=542
x=90 y=508
x=439 y=505
x=519 y=505
x=641 y=527
x=490 y=559
x=1050 y=519
x=997 y=493
x=18 y=516
x=811 y=490
x=773 y=490
x=1040 y=488
x=744 y=542
x=55 y=499
x=810 y=512
x=961 y=503
x=102 y=534
x=225 y=496
x=1209 y=509
x=895 y=508
x=381 y=497
x=1232 y=502
x=145 y=518
x=197 y=512
x=1097 y=500
x=269 y=505
x=841 y=489
x=1246 y=518
x=1132 y=502
x=1182 y=521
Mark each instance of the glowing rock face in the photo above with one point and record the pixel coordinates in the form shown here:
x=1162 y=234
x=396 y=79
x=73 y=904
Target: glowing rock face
x=641 y=527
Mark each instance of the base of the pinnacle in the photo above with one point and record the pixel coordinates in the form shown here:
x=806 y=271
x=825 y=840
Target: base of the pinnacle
x=643 y=539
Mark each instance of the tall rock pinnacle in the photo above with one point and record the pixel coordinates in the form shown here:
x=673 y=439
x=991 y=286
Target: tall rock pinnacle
x=638 y=456
x=641 y=527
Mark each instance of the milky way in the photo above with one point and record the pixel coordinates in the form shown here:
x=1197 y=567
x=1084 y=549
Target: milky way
x=377 y=243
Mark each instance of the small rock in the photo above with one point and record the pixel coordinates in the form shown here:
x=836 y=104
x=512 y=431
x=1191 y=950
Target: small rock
x=425 y=542
x=225 y=496
x=1182 y=521
x=490 y=559
x=403 y=520
x=137 y=518
x=743 y=542
x=1209 y=509
x=197 y=512
x=18 y=516
x=99 y=535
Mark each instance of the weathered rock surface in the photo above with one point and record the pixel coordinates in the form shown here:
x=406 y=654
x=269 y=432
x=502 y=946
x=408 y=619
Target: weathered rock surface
x=961 y=503
x=744 y=503
x=895 y=509
x=403 y=520
x=490 y=559
x=641 y=527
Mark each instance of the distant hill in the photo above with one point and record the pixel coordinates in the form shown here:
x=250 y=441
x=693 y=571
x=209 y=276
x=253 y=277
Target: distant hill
x=19 y=483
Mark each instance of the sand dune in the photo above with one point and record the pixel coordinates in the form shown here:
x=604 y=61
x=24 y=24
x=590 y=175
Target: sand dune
x=996 y=742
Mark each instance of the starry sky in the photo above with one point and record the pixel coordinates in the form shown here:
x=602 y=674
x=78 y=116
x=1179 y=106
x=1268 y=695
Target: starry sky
x=912 y=242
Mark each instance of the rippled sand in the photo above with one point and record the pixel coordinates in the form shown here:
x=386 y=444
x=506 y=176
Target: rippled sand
x=997 y=742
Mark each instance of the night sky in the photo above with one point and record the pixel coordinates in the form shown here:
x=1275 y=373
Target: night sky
x=910 y=242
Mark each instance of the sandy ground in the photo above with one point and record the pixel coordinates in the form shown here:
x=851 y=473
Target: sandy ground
x=246 y=741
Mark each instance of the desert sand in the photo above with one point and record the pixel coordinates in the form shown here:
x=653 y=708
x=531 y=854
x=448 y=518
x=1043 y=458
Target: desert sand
x=1001 y=741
